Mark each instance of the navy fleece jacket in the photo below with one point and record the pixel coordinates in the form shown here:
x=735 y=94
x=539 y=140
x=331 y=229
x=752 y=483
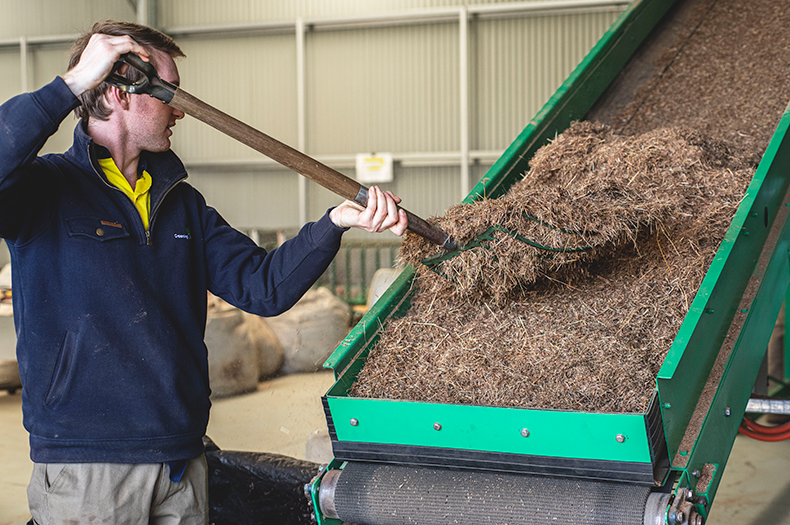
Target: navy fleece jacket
x=110 y=320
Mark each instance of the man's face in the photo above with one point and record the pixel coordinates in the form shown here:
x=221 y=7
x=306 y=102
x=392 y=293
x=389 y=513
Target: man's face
x=152 y=119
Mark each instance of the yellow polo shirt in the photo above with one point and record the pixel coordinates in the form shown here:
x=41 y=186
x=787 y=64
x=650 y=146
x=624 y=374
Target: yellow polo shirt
x=140 y=195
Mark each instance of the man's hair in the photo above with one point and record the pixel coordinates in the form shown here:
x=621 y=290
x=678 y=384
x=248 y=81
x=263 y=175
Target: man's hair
x=92 y=101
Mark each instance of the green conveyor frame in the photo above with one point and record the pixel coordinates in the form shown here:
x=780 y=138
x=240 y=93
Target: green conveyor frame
x=704 y=384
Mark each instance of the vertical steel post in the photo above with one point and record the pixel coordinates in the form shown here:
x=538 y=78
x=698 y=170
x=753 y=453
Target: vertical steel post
x=142 y=12
x=333 y=276
x=147 y=12
x=301 y=113
x=463 y=96
x=23 y=60
x=347 y=293
x=363 y=277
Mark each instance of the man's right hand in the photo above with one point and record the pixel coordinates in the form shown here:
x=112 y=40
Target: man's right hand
x=98 y=59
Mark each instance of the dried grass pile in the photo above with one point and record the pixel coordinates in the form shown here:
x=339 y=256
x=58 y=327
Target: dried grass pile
x=583 y=331
x=606 y=188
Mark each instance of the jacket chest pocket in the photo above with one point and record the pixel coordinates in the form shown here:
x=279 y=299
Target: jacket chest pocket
x=97 y=229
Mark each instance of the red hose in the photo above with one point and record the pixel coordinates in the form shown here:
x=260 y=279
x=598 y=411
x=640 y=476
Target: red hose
x=757 y=427
x=764 y=433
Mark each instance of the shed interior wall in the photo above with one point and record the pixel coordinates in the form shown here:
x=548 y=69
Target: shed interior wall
x=373 y=85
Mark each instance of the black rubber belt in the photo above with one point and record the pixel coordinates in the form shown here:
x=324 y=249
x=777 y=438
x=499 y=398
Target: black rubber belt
x=381 y=494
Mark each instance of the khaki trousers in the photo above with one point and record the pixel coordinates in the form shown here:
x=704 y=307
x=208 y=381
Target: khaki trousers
x=117 y=493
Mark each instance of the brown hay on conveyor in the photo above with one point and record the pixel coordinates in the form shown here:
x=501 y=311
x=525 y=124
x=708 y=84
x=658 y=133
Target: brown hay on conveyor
x=586 y=332
x=607 y=188
x=730 y=80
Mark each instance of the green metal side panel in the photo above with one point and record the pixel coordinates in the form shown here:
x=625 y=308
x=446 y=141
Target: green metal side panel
x=594 y=435
x=492 y=429
x=718 y=304
x=786 y=373
x=702 y=333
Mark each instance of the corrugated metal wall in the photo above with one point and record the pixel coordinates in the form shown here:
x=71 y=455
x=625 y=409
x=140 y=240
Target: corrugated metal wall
x=520 y=62
x=253 y=79
x=198 y=12
x=12 y=73
x=36 y=18
x=383 y=89
x=370 y=85
x=41 y=30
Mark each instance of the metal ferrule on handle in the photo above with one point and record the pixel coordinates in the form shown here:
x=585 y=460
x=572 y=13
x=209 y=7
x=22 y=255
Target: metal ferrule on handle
x=362 y=196
x=416 y=224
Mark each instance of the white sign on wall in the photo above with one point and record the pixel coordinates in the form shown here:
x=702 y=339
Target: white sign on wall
x=374 y=167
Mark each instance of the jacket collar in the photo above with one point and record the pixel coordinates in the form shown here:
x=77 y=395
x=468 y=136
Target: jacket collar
x=165 y=168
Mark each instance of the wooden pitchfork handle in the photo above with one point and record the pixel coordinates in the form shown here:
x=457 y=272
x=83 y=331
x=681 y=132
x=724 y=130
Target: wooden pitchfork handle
x=289 y=157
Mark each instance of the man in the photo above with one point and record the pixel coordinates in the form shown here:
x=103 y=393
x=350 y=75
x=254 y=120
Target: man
x=112 y=254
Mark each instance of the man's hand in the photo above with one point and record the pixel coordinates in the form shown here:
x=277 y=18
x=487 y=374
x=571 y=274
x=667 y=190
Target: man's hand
x=381 y=214
x=98 y=59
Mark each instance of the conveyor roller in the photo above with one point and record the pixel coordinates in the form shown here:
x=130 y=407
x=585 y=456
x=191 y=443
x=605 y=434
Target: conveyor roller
x=383 y=494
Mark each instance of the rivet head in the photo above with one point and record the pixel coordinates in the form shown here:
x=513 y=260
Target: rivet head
x=525 y=432
x=437 y=426
x=620 y=438
x=354 y=422
x=100 y=232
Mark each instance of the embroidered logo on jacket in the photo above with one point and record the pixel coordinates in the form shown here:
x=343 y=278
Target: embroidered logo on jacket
x=186 y=235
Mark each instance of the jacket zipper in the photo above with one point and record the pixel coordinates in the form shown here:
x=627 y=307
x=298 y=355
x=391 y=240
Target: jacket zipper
x=148 y=238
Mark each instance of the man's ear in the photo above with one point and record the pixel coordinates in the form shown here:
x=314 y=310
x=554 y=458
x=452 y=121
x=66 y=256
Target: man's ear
x=117 y=98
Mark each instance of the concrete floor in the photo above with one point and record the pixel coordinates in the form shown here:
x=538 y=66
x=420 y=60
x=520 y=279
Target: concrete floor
x=281 y=415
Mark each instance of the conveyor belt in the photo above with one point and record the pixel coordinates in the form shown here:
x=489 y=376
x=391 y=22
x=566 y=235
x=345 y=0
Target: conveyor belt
x=383 y=494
